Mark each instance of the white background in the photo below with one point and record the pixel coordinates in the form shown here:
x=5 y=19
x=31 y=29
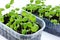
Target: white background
x=20 y=4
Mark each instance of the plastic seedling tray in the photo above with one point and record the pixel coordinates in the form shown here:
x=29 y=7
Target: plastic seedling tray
x=50 y=27
x=13 y=35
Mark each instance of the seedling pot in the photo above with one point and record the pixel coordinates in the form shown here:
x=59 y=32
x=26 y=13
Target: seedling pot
x=13 y=35
x=52 y=28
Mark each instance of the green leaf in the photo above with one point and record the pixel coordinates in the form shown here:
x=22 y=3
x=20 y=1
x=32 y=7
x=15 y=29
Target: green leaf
x=12 y=13
x=17 y=9
x=40 y=15
x=37 y=1
x=54 y=21
x=11 y=1
x=47 y=14
x=52 y=13
x=20 y=18
x=31 y=1
x=29 y=7
x=25 y=19
x=32 y=18
x=11 y=19
x=29 y=24
x=57 y=14
x=1 y=9
x=24 y=13
x=25 y=25
x=24 y=8
x=34 y=28
x=34 y=7
x=41 y=10
x=1 y=18
x=13 y=10
x=11 y=26
x=7 y=6
x=8 y=24
x=48 y=8
x=17 y=21
x=24 y=31
x=15 y=28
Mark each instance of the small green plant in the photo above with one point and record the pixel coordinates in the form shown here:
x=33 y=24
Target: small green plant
x=32 y=7
x=37 y=1
x=31 y=1
x=54 y=21
x=11 y=1
x=7 y=6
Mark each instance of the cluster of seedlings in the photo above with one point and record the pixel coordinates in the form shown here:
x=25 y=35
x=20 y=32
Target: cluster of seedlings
x=40 y=9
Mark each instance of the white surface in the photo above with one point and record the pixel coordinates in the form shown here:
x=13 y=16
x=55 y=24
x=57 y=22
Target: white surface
x=2 y=38
x=52 y=2
x=45 y=36
x=48 y=36
x=20 y=4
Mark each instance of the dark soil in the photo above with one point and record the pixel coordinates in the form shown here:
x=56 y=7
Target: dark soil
x=19 y=30
x=55 y=17
x=35 y=12
x=6 y=19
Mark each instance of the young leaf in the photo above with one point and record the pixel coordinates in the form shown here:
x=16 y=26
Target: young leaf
x=24 y=8
x=52 y=13
x=54 y=21
x=15 y=28
x=31 y=1
x=34 y=28
x=47 y=14
x=57 y=14
x=8 y=24
x=11 y=19
x=24 y=13
x=17 y=21
x=48 y=8
x=25 y=25
x=41 y=10
x=1 y=18
x=11 y=26
x=7 y=6
x=32 y=18
x=11 y=1
x=37 y=1
x=1 y=9
x=25 y=19
x=20 y=18
x=24 y=31
x=17 y=9
x=29 y=24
